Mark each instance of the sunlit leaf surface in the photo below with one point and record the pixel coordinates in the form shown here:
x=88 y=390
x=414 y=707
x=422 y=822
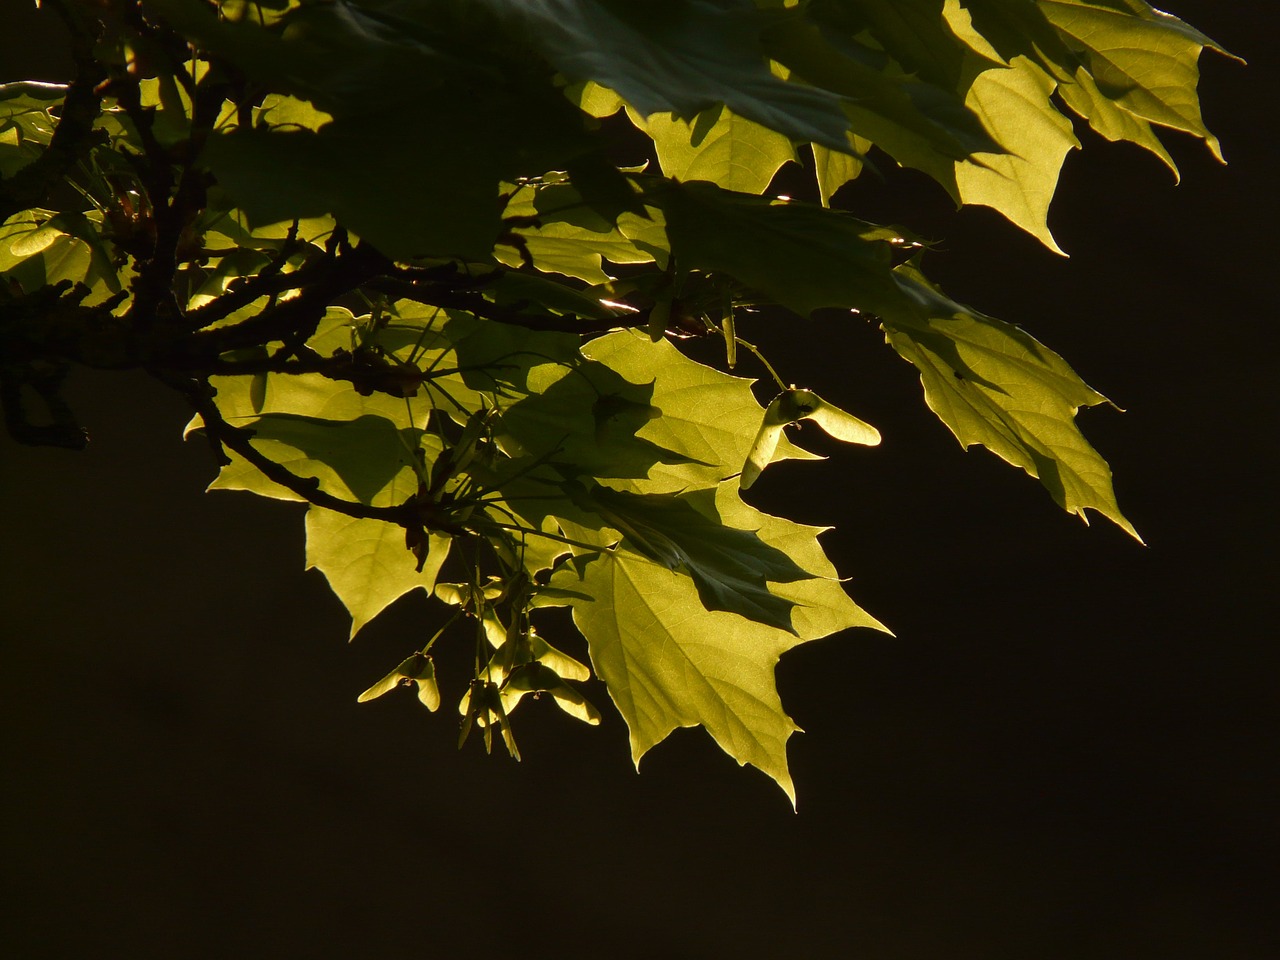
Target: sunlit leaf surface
x=441 y=270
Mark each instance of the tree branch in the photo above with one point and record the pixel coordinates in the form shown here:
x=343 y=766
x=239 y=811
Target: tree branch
x=269 y=282
x=417 y=514
x=237 y=439
x=366 y=371
x=330 y=279
x=434 y=296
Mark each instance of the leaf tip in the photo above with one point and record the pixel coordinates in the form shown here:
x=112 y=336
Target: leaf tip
x=1116 y=517
x=788 y=787
x=1130 y=529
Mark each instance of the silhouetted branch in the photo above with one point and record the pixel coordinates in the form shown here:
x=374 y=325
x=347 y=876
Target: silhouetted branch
x=328 y=280
x=238 y=439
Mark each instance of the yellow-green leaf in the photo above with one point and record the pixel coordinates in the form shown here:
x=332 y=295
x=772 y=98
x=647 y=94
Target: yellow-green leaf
x=835 y=168
x=993 y=384
x=669 y=662
x=1019 y=183
x=719 y=146
x=366 y=562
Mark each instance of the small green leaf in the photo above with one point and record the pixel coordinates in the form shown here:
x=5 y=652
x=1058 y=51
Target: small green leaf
x=594 y=99
x=279 y=110
x=571 y=239
x=26 y=126
x=835 y=168
x=718 y=146
x=36 y=250
x=1020 y=182
x=366 y=562
x=1014 y=104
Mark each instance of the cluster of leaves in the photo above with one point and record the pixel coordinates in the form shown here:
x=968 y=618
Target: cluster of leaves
x=425 y=265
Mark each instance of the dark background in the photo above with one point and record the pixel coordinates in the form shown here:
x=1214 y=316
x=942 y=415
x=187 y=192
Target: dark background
x=1068 y=751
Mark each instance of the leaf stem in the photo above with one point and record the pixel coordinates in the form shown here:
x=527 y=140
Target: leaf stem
x=594 y=547
x=767 y=365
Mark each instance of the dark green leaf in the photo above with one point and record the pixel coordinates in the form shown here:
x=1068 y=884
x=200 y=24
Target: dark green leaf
x=799 y=255
x=677 y=57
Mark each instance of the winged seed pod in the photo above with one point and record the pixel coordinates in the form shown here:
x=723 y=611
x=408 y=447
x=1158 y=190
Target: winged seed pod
x=791 y=406
x=417 y=668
